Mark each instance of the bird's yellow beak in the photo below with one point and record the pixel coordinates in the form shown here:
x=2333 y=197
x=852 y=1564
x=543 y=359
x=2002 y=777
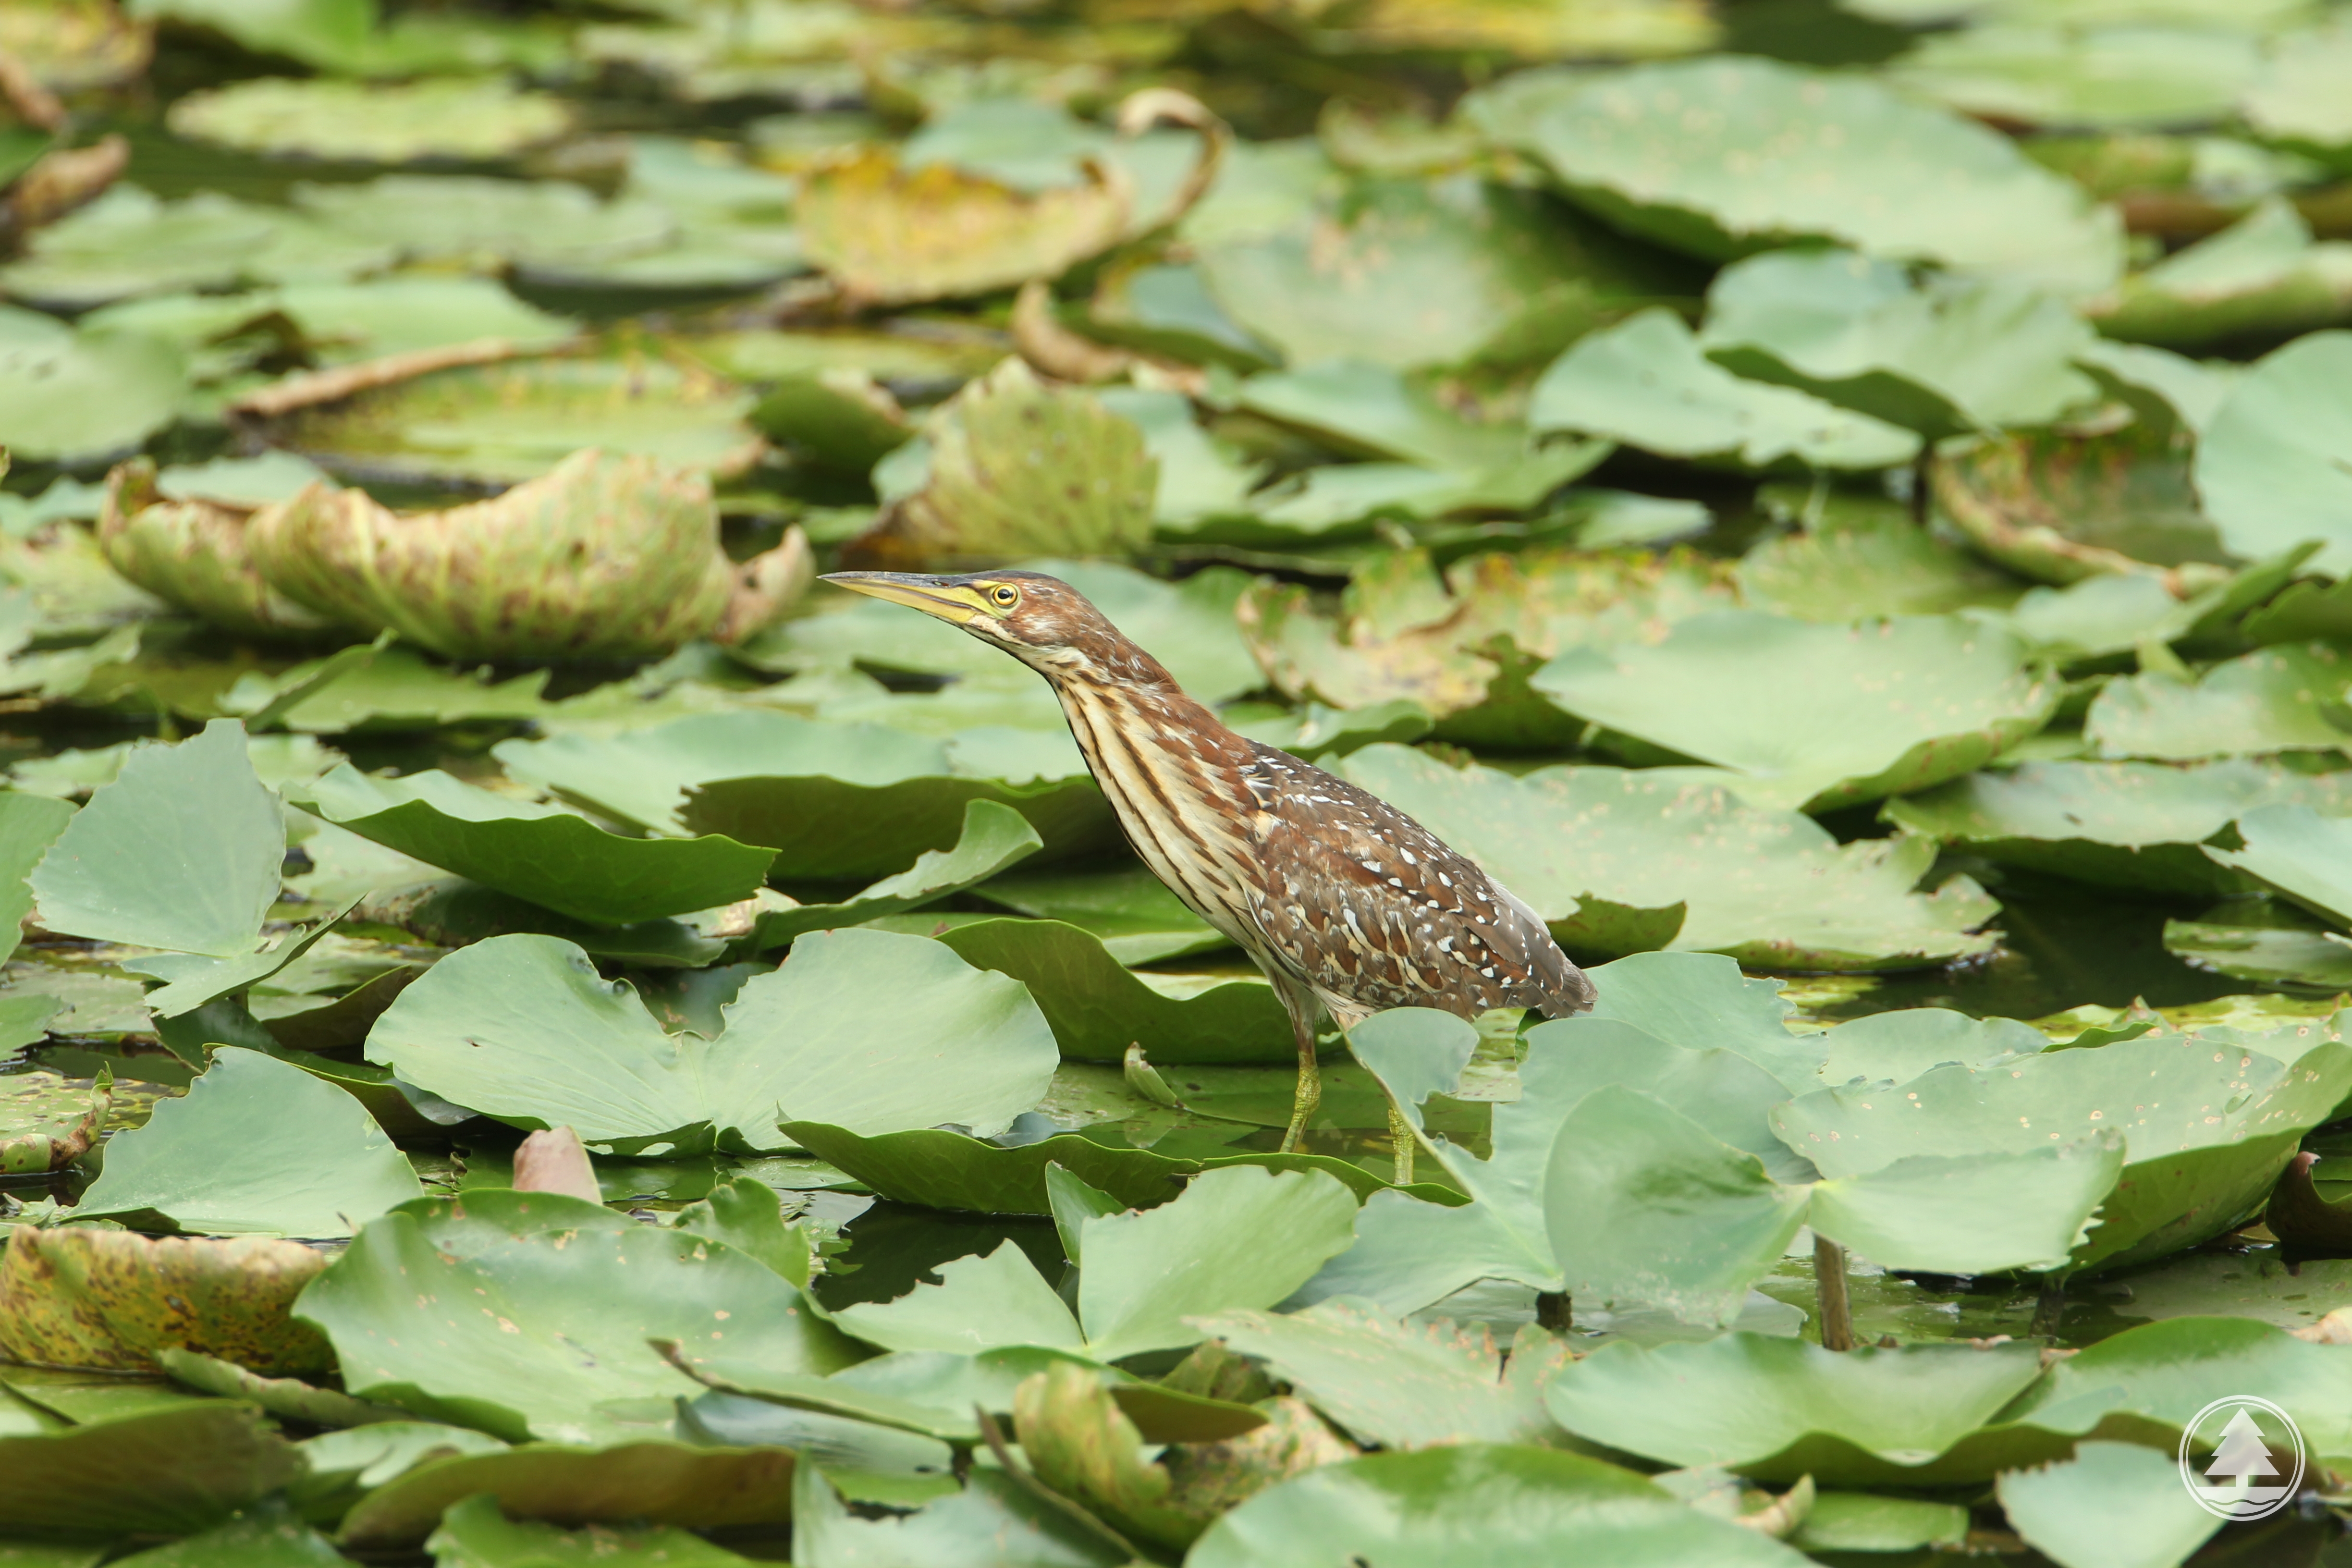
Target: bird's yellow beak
x=944 y=597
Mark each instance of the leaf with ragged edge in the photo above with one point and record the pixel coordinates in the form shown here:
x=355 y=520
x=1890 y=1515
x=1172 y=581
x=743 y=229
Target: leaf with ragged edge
x=527 y=1314
x=981 y=1303
x=1644 y=1205
x=181 y=851
x=29 y=824
x=1727 y=155
x=2204 y=1139
x=81 y=1295
x=1969 y=1215
x=523 y=1028
x=995 y=837
x=2273 y=699
x=652 y=1481
x=1497 y=1503
x=1630 y=860
x=1097 y=1006
x=2120 y=824
x=1019 y=467
x=542 y=853
x=2112 y=1505
x=1646 y=383
x=1777 y=1408
x=1941 y=358
x=1404 y=1385
x=255 y=1147
x=2269 y=466
x=1816 y=716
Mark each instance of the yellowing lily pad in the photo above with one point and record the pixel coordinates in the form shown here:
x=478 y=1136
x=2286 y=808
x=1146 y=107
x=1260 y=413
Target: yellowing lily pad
x=471 y=120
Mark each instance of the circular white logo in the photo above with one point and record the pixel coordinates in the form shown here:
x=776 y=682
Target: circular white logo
x=2242 y=1457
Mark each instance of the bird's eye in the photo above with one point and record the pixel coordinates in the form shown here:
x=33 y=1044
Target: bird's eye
x=1005 y=594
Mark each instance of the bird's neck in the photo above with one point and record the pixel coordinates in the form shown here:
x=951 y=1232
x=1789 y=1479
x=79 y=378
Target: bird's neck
x=1136 y=696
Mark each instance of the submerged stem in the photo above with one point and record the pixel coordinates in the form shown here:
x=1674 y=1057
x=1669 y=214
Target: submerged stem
x=1828 y=1278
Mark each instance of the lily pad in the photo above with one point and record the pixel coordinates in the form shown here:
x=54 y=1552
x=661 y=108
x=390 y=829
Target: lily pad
x=1750 y=693
x=84 y=1296
x=1494 y=1502
x=1939 y=358
x=542 y=853
x=1132 y=912
x=1645 y=381
x=521 y=1027
x=832 y=800
x=2293 y=849
x=995 y=837
x=483 y=223
x=2276 y=700
x=2095 y=78
x=2062 y=508
x=1724 y=156
x=180 y=851
x=2263 y=275
x=477 y=1531
x=1788 y=897
x=474 y=121
x=2269 y=466
x=79 y=397
x=404 y=1308
x=168 y=1472
x=2145 y=1518
x=2208 y=1124
x=129 y=243
x=1017 y=467
x=1867 y=564
x=990 y=1507
x=1099 y=1008
x=503 y=423
x=2119 y=824
x=254 y=1147
x=1406 y=274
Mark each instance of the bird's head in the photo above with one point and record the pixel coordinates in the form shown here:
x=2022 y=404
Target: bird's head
x=1040 y=620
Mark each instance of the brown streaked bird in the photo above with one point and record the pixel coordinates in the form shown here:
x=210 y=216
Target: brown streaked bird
x=1343 y=899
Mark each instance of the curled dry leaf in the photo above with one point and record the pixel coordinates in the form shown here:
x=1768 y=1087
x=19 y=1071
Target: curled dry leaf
x=80 y=1296
x=607 y=556
x=63 y=179
x=2061 y=509
x=194 y=554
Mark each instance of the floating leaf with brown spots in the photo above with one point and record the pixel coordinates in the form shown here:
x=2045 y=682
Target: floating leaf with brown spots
x=79 y=1296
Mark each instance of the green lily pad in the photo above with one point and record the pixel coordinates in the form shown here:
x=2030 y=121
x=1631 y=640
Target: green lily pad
x=29 y=825
x=542 y=853
x=180 y=851
x=1488 y=1502
x=1099 y=1008
x=560 y=1277
x=1238 y=1238
x=1645 y=381
x=990 y=1507
x=169 y=1472
x=2275 y=699
x=391 y=689
x=1775 y=1408
x=1727 y=155
x=1944 y=696
x=995 y=837
x=254 y=1147
x=2263 y=275
x=88 y=1297
x=2144 y=1519
x=521 y=1027
x=474 y=121
x=2205 y=1139
x=1866 y=563
x=2103 y=78
x=1629 y=860
x=79 y=397
x=477 y=1532
x=1939 y=358
x=2270 y=468
x=484 y=223
x=2119 y=824
x=651 y=1480
x=1132 y=912
x=1409 y=274
x=2274 y=953
x=502 y=423
x=129 y=243
x=2292 y=848
x=2293 y=102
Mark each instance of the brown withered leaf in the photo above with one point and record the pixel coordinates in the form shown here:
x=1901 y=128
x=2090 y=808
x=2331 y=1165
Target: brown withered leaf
x=1019 y=469
x=80 y=1296
x=193 y=553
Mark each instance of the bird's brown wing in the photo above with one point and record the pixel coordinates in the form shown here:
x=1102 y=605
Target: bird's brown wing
x=1374 y=911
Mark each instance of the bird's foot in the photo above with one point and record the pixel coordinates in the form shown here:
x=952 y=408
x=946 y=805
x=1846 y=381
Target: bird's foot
x=1303 y=1104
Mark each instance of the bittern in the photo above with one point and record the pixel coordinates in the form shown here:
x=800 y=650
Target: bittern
x=1343 y=900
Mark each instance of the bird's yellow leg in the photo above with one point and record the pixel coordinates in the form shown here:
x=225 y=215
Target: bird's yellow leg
x=1309 y=1094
